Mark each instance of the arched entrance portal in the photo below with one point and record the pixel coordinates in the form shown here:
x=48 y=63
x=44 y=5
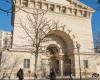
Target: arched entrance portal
x=60 y=48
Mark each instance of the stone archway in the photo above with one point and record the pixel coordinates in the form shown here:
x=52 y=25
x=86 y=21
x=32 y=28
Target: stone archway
x=66 y=39
x=61 y=49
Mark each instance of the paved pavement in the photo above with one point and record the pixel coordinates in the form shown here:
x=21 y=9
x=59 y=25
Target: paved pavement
x=58 y=79
x=65 y=79
x=70 y=79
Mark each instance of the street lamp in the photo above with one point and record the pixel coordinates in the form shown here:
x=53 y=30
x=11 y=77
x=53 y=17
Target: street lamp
x=78 y=48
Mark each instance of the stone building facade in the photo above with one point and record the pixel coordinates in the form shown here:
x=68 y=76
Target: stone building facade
x=76 y=17
x=5 y=39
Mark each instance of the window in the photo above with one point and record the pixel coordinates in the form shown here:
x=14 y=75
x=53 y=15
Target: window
x=75 y=11
x=58 y=8
x=53 y=50
x=63 y=9
x=25 y=3
x=26 y=63
x=85 y=14
x=85 y=63
x=0 y=57
x=80 y=12
x=51 y=8
x=45 y=7
x=39 y=5
x=69 y=10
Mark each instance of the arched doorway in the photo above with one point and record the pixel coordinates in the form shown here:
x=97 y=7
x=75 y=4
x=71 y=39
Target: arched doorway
x=61 y=49
x=54 y=59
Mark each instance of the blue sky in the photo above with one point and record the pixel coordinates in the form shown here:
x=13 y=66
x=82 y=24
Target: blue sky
x=96 y=16
x=5 y=19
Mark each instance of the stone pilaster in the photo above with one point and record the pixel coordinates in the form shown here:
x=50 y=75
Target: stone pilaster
x=61 y=64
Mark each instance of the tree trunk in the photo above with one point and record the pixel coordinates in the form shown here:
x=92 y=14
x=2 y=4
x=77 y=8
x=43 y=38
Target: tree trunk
x=35 y=67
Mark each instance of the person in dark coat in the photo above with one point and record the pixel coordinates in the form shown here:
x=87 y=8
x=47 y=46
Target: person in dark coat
x=35 y=76
x=52 y=75
x=20 y=74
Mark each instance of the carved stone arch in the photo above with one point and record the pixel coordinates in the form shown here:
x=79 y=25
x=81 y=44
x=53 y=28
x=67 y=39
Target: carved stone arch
x=65 y=50
x=66 y=38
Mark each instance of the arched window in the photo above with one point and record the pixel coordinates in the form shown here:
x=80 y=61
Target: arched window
x=53 y=50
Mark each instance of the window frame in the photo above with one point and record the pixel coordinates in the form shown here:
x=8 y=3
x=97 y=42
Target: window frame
x=86 y=63
x=26 y=63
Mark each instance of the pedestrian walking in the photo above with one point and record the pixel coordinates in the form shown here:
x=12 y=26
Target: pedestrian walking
x=97 y=77
x=35 y=76
x=70 y=77
x=20 y=74
x=52 y=75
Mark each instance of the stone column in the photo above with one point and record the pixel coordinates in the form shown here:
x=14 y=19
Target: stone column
x=61 y=64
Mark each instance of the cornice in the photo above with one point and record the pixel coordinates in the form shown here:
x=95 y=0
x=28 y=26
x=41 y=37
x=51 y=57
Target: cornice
x=72 y=9
x=71 y=2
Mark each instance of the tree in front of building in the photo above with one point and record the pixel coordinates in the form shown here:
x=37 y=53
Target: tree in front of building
x=7 y=68
x=38 y=29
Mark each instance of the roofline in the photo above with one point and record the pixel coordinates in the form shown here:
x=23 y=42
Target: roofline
x=88 y=7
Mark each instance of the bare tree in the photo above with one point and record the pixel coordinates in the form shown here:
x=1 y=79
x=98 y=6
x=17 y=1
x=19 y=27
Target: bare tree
x=6 y=67
x=38 y=29
x=14 y=64
x=9 y=2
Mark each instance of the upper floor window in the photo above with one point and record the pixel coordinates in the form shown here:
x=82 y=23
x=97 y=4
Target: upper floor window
x=75 y=11
x=0 y=57
x=69 y=10
x=63 y=9
x=80 y=11
x=26 y=63
x=45 y=6
x=25 y=3
x=39 y=5
x=51 y=7
x=85 y=14
x=58 y=8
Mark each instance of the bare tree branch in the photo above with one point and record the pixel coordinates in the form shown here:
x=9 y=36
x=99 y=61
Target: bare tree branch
x=37 y=30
